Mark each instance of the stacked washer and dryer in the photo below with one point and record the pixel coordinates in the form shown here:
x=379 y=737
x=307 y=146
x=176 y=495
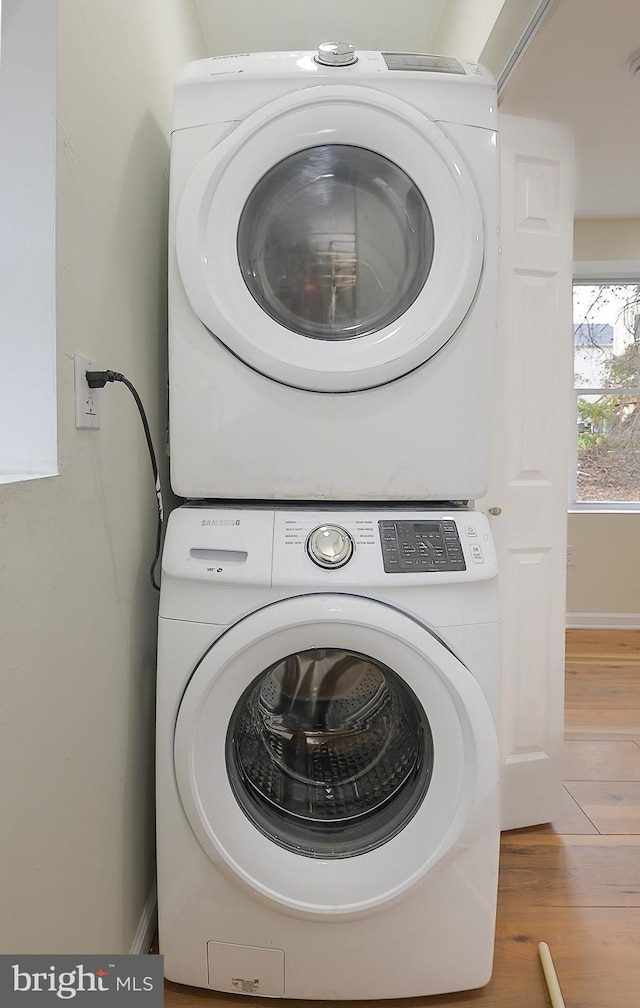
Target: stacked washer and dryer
x=328 y=670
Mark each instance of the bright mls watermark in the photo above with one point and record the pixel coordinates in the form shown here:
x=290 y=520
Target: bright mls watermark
x=124 y=981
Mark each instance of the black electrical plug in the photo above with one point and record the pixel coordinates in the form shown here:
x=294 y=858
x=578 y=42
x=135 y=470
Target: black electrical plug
x=98 y=379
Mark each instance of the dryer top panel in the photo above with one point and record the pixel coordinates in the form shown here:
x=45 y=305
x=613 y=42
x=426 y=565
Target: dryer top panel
x=444 y=88
x=306 y=62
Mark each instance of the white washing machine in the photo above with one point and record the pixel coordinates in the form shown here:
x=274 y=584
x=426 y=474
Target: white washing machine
x=327 y=755
x=332 y=277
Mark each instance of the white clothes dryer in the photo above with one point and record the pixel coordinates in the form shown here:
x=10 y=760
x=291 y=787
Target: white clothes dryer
x=332 y=277
x=327 y=753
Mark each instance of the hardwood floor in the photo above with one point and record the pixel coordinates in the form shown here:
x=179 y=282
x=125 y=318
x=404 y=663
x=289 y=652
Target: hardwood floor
x=574 y=884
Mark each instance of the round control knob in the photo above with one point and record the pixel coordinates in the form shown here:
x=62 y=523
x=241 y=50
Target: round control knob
x=330 y=546
x=336 y=54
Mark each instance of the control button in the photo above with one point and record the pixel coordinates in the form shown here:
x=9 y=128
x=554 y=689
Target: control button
x=336 y=54
x=476 y=553
x=470 y=530
x=330 y=546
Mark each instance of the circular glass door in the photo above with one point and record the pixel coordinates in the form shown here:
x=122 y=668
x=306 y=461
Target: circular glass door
x=329 y=753
x=335 y=241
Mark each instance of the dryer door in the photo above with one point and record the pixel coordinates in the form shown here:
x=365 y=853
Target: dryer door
x=333 y=240
x=330 y=751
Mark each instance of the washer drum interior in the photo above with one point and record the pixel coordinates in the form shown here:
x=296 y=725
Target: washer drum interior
x=329 y=753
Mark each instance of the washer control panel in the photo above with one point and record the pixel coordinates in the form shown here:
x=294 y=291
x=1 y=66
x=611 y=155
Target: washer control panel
x=315 y=547
x=426 y=545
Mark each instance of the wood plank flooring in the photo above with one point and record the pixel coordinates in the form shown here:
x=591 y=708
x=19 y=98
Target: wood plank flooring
x=574 y=883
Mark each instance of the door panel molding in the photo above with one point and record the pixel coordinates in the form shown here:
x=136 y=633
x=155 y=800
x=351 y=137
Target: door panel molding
x=528 y=483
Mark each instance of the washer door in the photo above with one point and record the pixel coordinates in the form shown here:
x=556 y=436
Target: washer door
x=333 y=241
x=330 y=751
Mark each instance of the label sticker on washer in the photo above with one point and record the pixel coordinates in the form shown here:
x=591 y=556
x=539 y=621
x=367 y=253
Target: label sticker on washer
x=244 y=986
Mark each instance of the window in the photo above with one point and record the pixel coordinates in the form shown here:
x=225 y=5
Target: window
x=28 y=447
x=606 y=342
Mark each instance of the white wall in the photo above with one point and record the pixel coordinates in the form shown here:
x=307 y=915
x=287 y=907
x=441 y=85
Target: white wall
x=606 y=238
x=486 y=31
x=510 y=34
x=462 y=28
x=250 y=26
x=465 y=26
x=77 y=612
x=603 y=588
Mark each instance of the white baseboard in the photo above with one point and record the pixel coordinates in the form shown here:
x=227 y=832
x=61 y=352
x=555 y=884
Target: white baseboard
x=603 y=621
x=147 y=926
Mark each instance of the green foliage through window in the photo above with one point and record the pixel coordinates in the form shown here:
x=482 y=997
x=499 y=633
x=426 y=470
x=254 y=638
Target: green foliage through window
x=607 y=357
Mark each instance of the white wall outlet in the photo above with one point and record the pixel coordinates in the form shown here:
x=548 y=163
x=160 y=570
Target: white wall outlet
x=87 y=399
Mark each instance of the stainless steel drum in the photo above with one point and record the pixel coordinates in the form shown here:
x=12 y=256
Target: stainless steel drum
x=329 y=752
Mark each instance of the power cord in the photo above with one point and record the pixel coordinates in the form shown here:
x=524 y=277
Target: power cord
x=98 y=379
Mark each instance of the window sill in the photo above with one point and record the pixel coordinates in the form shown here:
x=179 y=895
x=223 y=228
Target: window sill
x=23 y=477
x=604 y=508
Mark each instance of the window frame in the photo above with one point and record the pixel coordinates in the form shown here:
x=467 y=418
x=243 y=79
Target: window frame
x=28 y=374
x=624 y=271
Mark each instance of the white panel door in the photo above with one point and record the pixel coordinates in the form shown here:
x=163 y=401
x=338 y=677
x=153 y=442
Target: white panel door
x=528 y=484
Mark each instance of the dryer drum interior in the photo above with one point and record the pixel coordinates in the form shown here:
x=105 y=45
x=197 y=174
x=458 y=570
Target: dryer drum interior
x=335 y=241
x=329 y=752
